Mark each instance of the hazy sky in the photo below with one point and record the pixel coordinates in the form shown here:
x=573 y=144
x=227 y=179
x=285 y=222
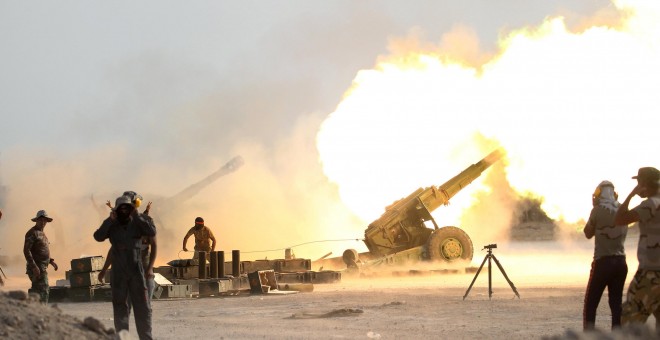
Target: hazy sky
x=79 y=74
x=102 y=97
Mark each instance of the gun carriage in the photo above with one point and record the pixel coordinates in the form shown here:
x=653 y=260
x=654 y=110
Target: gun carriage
x=401 y=234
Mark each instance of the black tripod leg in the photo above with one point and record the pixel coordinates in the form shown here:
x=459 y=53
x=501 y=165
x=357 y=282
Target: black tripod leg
x=475 y=277
x=505 y=276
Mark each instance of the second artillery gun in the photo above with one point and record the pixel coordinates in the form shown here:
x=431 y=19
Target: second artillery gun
x=400 y=235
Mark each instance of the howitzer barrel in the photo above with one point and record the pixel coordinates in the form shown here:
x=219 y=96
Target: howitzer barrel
x=193 y=189
x=402 y=227
x=432 y=199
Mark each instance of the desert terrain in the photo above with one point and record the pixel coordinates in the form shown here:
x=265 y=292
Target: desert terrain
x=429 y=307
x=549 y=276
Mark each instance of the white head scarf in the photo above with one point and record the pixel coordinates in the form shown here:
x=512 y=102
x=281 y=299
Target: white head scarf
x=607 y=196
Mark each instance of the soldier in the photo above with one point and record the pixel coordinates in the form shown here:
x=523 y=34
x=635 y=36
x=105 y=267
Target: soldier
x=37 y=255
x=125 y=228
x=147 y=248
x=2 y=282
x=202 y=236
x=609 y=268
x=643 y=296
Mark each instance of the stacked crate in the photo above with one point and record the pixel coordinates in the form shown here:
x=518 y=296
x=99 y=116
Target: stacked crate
x=83 y=278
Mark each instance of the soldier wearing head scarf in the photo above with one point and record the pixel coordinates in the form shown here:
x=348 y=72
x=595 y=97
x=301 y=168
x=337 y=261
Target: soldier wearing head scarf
x=608 y=268
x=37 y=255
x=203 y=237
x=125 y=228
x=643 y=298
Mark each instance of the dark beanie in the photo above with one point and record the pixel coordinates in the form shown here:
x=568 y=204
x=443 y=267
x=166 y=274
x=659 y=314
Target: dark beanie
x=199 y=220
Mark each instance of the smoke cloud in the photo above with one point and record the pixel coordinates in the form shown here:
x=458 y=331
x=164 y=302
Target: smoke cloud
x=91 y=110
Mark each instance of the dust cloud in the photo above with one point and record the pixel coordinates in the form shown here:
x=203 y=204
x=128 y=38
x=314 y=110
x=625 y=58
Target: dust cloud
x=277 y=199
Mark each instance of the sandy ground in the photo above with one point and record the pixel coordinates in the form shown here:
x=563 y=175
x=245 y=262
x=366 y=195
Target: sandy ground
x=550 y=278
x=429 y=307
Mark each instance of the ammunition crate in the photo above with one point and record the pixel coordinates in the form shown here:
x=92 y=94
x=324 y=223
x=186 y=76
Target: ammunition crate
x=289 y=266
x=102 y=293
x=176 y=291
x=57 y=294
x=87 y=264
x=81 y=294
x=190 y=272
x=262 y=281
x=327 y=276
x=253 y=266
x=166 y=271
x=194 y=283
x=293 y=265
x=240 y=283
x=84 y=279
x=291 y=277
x=214 y=287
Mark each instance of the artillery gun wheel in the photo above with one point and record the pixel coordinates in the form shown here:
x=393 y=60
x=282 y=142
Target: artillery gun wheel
x=449 y=244
x=350 y=257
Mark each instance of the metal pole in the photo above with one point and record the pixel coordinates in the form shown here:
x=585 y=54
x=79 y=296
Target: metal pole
x=236 y=263
x=214 y=264
x=202 y=264
x=490 y=280
x=221 y=264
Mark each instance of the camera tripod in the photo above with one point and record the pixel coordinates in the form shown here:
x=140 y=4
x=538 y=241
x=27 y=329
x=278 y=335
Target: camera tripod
x=489 y=256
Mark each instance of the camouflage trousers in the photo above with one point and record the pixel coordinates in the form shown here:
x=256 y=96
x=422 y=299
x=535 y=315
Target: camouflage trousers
x=643 y=298
x=39 y=284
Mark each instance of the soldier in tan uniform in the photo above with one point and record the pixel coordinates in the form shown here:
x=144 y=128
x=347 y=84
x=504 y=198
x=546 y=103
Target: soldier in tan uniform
x=643 y=298
x=37 y=255
x=203 y=237
x=609 y=268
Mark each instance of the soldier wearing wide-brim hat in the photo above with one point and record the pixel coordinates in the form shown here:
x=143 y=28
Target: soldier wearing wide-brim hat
x=643 y=296
x=37 y=255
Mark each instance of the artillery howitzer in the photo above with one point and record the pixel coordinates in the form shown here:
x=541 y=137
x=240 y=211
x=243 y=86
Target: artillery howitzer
x=400 y=234
x=163 y=206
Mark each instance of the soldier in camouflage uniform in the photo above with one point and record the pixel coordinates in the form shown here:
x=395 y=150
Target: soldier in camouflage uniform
x=643 y=298
x=37 y=255
x=203 y=236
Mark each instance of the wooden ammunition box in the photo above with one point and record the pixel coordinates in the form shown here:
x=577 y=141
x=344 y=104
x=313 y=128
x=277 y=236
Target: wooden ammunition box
x=214 y=287
x=190 y=272
x=326 y=276
x=81 y=294
x=57 y=294
x=293 y=265
x=253 y=266
x=102 y=293
x=262 y=281
x=288 y=266
x=87 y=264
x=194 y=283
x=291 y=277
x=87 y=279
x=166 y=271
x=240 y=283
